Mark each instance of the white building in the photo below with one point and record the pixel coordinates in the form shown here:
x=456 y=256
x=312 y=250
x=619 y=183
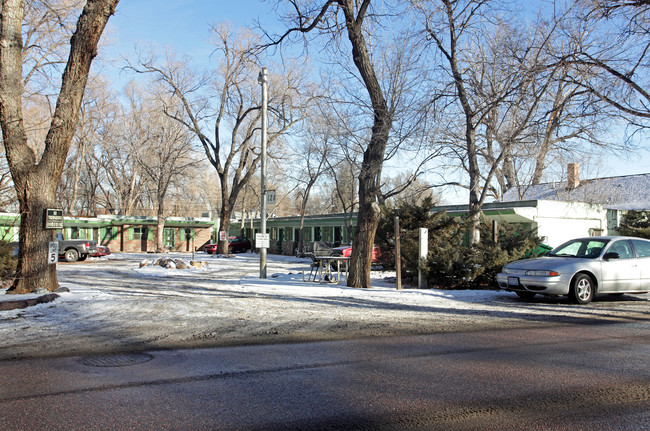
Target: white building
x=564 y=210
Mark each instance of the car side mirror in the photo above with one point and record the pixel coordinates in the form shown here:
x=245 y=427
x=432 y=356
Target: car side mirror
x=611 y=255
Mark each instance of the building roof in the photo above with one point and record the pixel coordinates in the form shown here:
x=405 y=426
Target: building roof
x=629 y=192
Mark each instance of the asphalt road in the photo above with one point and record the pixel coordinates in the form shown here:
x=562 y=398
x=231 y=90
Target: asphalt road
x=549 y=377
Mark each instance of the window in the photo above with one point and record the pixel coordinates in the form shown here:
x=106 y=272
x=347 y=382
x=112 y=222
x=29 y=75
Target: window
x=109 y=233
x=623 y=248
x=642 y=247
x=138 y=232
x=170 y=237
x=589 y=248
x=327 y=233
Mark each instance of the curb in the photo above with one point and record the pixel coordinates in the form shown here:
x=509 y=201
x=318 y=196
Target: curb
x=24 y=303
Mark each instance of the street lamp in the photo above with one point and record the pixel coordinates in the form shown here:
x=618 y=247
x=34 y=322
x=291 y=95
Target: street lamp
x=263 y=79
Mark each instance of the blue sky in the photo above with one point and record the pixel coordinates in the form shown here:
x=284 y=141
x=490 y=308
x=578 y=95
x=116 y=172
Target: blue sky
x=183 y=25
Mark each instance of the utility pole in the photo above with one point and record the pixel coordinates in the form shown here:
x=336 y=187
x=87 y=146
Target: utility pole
x=263 y=79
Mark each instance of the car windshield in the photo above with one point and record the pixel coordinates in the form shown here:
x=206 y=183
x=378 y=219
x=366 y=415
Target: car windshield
x=584 y=247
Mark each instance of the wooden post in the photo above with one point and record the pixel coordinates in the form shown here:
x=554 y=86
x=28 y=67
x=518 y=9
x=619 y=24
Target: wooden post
x=398 y=258
x=422 y=256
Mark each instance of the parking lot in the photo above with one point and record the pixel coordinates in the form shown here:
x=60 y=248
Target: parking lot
x=114 y=305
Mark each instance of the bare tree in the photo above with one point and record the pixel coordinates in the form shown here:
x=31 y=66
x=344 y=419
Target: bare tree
x=232 y=104
x=407 y=188
x=509 y=105
x=614 y=53
x=550 y=115
x=357 y=22
x=312 y=152
x=164 y=152
x=343 y=197
x=82 y=175
x=47 y=27
x=35 y=177
x=447 y=24
x=123 y=183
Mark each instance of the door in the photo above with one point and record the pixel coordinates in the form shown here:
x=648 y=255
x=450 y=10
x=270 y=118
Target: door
x=337 y=236
x=144 y=238
x=642 y=249
x=621 y=274
x=170 y=238
x=188 y=238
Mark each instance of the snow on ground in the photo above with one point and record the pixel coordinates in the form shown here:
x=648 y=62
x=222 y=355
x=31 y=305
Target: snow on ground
x=113 y=305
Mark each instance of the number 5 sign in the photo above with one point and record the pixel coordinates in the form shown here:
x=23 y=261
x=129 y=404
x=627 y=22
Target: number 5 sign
x=53 y=252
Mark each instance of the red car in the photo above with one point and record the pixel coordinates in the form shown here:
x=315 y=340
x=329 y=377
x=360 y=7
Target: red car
x=346 y=250
x=102 y=250
x=236 y=244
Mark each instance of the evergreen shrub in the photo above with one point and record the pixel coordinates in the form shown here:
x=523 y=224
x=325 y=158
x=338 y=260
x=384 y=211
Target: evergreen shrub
x=451 y=263
x=8 y=261
x=636 y=223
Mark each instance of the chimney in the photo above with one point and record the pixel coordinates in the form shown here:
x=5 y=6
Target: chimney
x=573 y=175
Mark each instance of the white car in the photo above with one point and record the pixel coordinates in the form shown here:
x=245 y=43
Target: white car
x=581 y=268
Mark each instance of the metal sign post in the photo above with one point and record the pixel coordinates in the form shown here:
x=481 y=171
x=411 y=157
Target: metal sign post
x=263 y=80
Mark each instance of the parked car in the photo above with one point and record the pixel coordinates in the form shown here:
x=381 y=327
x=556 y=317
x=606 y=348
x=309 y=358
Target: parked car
x=236 y=244
x=102 y=250
x=73 y=250
x=581 y=268
x=346 y=251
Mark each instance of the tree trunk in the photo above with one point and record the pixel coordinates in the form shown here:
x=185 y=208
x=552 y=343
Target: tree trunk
x=77 y=174
x=35 y=195
x=364 y=238
x=508 y=173
x=224 y=225
x=242 y=231
x=301 y=235
x=35 y=178
x=370 y=176
x=160 y=234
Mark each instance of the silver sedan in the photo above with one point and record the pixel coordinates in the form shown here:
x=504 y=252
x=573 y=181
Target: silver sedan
x=582 y=267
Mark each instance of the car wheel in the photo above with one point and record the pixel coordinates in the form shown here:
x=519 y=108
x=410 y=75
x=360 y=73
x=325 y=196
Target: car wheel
x=582 y=289
x=526 y=295
x=71 y=255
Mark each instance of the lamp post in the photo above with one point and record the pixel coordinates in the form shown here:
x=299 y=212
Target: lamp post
x=263 y=79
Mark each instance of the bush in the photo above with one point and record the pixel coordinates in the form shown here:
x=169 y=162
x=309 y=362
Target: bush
x=636 y=223
x=515 y=241
x=450 y=263
x=8 y=261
